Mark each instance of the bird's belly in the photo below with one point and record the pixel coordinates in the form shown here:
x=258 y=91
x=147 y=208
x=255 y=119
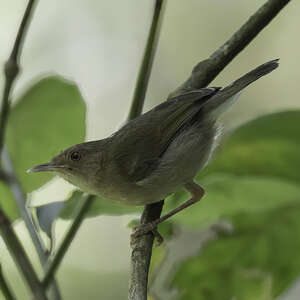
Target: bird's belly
x=123 y=191
x=129 y=194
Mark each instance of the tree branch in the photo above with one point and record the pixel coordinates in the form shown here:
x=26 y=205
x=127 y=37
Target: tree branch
x=203 y=73
x=6 y=291
x=20 y=257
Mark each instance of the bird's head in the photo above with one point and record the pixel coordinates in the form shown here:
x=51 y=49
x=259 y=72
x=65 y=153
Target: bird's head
x=78 y=164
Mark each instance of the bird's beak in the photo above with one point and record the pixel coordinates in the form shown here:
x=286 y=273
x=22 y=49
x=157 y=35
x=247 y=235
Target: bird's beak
x=48 y=167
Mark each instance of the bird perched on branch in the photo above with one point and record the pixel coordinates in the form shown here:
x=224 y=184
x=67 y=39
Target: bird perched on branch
x=153 y=155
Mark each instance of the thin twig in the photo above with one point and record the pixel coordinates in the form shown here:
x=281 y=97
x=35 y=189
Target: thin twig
x=201 y=76
x=147 y=61
x=20 y=257
x=67 y=240
x=11 y=70
x=20 y=198
x=6 y=291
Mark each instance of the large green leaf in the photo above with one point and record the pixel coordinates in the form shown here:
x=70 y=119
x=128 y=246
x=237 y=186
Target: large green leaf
x=257 y=262
x=228 y=195
x=48 y=118
x=267 y=146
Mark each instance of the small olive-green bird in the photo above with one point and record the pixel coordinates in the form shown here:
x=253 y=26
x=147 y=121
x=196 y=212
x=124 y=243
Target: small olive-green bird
x=153 y=155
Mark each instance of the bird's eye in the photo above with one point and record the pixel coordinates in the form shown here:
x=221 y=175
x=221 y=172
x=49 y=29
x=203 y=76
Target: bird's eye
x=75 y=156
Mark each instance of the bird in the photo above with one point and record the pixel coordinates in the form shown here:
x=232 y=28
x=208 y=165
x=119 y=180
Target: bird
x=155 y=154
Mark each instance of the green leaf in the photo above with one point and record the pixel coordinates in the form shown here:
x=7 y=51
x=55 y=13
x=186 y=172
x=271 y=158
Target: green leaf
x=49 y=117
x=267 y=146
x=258 y=261
x=229 y=195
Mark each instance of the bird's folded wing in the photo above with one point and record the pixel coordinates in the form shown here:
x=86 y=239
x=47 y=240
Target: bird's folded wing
x=140 y=144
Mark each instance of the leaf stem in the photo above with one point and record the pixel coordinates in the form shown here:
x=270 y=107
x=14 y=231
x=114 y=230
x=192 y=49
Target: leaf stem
x=67 y=240
x=147 y=61
x=20 y=257
x=6 y=291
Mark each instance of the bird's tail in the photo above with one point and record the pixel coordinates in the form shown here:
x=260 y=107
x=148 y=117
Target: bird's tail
x=226 y=96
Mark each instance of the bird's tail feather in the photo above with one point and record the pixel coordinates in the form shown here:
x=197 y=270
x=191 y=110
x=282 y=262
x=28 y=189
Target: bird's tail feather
x=230 y=93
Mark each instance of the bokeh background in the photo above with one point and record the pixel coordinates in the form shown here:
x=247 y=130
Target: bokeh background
x=99 y=45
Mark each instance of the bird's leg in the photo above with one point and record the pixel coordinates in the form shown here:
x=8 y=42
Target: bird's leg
x=197 y=193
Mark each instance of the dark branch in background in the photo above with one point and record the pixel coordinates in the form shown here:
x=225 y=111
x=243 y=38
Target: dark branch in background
x=147 y=62
x=20 y=198
x=141 y=255
x=202 y=75
x=11 y=71
x=22 y=261
x=6 y=291
x=4 y=177
x=66 y=242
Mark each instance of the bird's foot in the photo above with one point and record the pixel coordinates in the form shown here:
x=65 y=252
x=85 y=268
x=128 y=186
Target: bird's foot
x=144 y=229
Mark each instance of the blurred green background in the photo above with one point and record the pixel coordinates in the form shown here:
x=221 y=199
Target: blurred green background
x=99 y=45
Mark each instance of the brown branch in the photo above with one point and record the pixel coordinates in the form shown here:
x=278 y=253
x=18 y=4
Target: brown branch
x=20 y=257
x=203 y=73
x=141 y=255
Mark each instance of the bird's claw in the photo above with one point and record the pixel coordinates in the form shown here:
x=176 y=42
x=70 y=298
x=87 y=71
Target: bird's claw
x=144 y=229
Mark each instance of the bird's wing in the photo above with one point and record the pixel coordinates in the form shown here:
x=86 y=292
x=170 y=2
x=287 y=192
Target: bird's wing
x=139 y=144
